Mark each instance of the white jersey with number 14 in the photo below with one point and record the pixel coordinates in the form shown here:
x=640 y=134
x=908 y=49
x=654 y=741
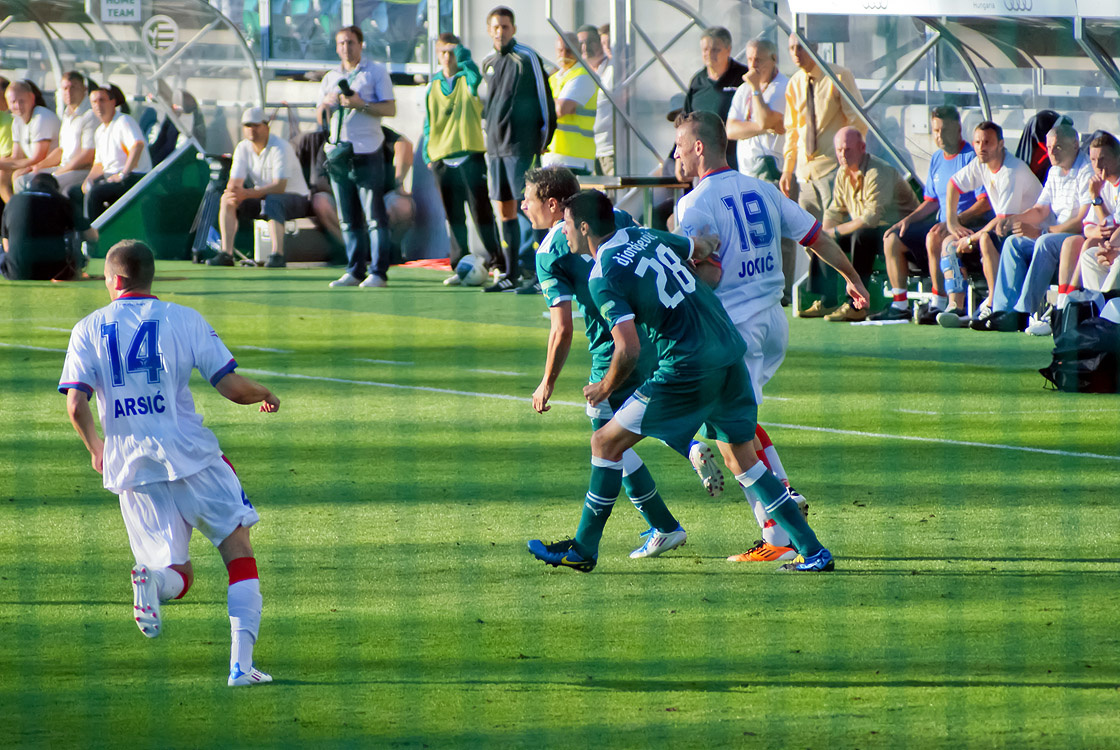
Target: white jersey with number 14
x=750 y=217
x=137 y=355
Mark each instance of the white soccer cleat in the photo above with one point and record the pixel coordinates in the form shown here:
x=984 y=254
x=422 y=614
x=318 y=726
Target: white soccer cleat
x=802 y=503
x=346 y=279
x=145 y=601
x=658 y=543
x=254 y=676
x=704 y=462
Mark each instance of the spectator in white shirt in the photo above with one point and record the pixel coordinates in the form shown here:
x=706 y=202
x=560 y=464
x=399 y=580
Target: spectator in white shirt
x=34 y=134
x=265 y=181
x=1100 y=244
x=1032 y=249
x=591 y=47
x=120 y=160
x=1012 y=188
x=71 y=160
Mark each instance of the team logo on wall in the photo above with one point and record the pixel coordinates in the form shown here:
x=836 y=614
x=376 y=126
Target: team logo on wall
x=875 y=4
x=160 y=34
x=1019 y=5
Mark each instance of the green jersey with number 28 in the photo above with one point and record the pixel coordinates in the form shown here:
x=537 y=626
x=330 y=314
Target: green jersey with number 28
x=642 y=274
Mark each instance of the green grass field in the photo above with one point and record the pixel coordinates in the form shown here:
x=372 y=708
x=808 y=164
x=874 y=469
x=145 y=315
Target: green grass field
x=972 y=515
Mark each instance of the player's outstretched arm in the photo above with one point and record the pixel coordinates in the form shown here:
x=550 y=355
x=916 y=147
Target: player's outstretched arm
x=77 y=406
x=241 y=390
x=828 y=251
x=559 y=344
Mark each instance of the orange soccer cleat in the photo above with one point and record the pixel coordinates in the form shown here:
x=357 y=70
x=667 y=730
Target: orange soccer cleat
x=764 y=552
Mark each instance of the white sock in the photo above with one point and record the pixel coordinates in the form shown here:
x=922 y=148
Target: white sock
x=901 y=304
x=631 y=462
x=772 y=533
x=771 y=454
x=1063 y=300
x=940 y=303
x=245 y=605
x=169 y=583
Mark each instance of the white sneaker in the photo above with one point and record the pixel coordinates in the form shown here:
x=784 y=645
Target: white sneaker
x=145 y=601
x=254 y=676
x=704 y=462
x=452 y=280
x=1039 y=328
x=373 y=281
x=658 y=543
x=346 y=279
x=802 y=503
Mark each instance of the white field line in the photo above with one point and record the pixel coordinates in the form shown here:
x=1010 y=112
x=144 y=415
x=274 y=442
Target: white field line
x=250 y=348
x=493 y=372
x=384 y=361
x=522 y=399
x=52 y=328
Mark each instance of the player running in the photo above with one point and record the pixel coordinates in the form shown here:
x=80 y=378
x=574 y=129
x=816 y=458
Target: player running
x=137 y=355
x=750 y=217
x=640 y=279
x=563 y=276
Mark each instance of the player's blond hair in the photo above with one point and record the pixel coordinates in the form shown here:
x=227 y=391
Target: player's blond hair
x=132 y=261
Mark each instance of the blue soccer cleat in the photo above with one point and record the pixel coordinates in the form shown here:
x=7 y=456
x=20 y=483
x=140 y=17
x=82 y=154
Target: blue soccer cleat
x=560 y=554
x=818 y=562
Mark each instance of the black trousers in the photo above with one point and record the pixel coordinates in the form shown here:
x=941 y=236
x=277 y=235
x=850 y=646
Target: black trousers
x=862 y=246
x=101 y=195
x=462 y=187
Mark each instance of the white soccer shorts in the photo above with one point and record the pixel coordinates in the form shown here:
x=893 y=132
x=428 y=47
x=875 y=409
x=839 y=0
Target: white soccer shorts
x=159 y=517
x=767 y=337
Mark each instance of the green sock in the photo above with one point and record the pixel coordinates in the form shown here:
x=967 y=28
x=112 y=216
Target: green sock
x=603 y=489
x=781 y=507
x=642 y=491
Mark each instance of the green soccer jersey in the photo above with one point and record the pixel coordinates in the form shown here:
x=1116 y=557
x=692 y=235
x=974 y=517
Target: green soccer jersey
x=563 y=276
x=640 y=274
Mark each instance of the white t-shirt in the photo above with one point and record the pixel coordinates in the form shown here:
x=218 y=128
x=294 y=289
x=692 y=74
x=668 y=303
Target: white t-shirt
x=1110 y=197
x=77 y=131
x=1063 y=192
x=44 y=125
x=1011 y=190
x=604 y=113
x=579 y=89
x=113 y=142
x=767 y=144
x=276 y=161
x=136 y=354
x=370 y=81
x=751 y=217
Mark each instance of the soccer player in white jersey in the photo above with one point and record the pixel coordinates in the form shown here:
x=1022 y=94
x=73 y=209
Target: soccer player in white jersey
x=750 y=217
x=137 y=355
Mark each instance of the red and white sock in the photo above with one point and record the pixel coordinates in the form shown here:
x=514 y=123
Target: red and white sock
x=939 y=301
x=1063 y=294
x=769 y=455
x=245 y=605
x=170 y=583
x=900 y=299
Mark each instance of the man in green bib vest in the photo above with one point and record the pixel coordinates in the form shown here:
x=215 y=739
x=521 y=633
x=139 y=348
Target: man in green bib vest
x=455 y=148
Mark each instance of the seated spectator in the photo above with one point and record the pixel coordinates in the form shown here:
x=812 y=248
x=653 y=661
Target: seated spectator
x=1101 y=240
x=36 y=230
x=5 y=120
x=71 y=160
x=869 y=196
x=455 y=150
x=917 y=238
x=265 y=181
x=713 y=87
x=34 y=133
x=163 y=135
x=120 y=160
x=1012 y=188
x=1030 y=254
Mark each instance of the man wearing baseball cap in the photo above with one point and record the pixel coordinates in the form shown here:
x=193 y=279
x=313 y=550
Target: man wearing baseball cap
x=265 y=182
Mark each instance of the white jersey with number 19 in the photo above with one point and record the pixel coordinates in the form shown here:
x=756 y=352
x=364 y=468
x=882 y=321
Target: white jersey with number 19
x=751 y=217
x=137 y=355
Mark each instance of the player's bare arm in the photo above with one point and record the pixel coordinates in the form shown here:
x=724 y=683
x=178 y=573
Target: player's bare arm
x=559 y=345
x=81 y=416
x=623 y=361
x=829 y=252
x=708 y=272
x=242 y=390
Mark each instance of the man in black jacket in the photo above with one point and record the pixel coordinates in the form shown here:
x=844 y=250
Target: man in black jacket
x=520 y=118
x=713 y=87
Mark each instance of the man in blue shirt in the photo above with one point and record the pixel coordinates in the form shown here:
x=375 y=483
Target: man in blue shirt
x=918 y=237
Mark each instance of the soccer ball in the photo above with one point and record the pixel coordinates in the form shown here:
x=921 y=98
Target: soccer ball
x=472 y=270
